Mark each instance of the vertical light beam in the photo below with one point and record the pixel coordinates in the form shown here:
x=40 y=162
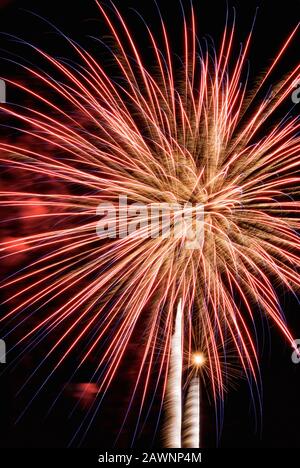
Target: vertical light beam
x=173 y=402
x=191 y=425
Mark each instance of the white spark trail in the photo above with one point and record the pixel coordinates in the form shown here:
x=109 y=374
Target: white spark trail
x=191 y=430
x=173 y=402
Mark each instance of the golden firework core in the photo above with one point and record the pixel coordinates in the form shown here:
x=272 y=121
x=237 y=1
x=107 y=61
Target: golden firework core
x=198 y=359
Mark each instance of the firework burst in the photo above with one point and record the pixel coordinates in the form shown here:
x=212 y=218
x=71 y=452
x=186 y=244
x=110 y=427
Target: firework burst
x=189 y=134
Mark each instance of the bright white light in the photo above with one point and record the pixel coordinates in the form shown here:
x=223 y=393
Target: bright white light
x=199 y=359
